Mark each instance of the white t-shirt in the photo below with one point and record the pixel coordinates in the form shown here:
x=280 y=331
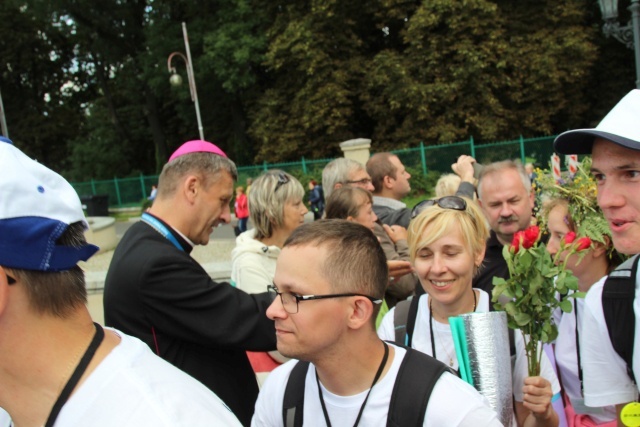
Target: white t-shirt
x=133 y=387
x=445 y=349
x=605 y=373
x=453 y=402
x=567 y=361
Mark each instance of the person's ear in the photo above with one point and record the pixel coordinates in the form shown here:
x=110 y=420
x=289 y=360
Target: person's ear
x=337 y=185
x=190 y=188
x=387 y=181
x=4 y=289
x=599 y=249
x=361 y=312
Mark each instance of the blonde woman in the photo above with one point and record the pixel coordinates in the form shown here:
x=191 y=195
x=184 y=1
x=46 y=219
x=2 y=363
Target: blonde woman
x=447 y=245
x=276 y=209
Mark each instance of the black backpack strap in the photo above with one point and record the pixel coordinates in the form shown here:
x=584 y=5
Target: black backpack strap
x=416 y=378
x=618 y=295
x=404 y=320
x=293 y=402
x=400 y=315
x=512 y=342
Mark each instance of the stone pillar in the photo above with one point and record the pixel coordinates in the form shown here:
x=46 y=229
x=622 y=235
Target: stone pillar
x=356 y=149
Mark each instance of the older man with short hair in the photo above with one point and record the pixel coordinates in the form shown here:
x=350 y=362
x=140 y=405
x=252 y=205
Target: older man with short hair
x=504 y=194
x=344 y=172
x=157 y=292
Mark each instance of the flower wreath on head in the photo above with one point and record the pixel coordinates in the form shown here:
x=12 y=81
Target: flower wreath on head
x=580 y=192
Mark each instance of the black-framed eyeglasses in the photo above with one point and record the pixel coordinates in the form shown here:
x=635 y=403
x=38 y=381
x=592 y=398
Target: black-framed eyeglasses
x=363 y=181
x=290 y=301
x=282 y=179
x=447 y=202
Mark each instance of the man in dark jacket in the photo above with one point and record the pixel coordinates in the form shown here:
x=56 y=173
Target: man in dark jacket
x=390 y=180
x=504 y=193
x=155 y=291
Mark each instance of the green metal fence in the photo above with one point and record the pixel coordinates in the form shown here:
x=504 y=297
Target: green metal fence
x=436 y=158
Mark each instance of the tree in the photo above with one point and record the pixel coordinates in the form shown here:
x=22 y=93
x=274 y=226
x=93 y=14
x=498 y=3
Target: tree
x=38 y=84
x=468 y=70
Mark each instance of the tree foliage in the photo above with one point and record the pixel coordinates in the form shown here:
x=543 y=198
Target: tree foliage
x=85 y=84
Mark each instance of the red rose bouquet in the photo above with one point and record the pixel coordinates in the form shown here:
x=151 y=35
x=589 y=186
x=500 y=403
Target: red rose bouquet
x=530 y=292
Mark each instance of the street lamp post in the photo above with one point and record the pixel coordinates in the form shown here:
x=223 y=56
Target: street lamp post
x=176 y=80
x=629 y=34
x=3 y=120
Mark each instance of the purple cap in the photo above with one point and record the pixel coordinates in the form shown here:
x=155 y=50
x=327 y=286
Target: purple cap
x=196 y=146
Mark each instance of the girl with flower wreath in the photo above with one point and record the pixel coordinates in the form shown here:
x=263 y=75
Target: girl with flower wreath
x=572 y=218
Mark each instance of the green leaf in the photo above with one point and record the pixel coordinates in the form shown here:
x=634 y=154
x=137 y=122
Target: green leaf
x=519 y=292
x=522 y=319
x=566 y=306
x=525 y=260
x=510 y=308
x=535 y=284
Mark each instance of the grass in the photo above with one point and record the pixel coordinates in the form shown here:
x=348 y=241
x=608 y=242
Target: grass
x=413 y=199
x=124 y=216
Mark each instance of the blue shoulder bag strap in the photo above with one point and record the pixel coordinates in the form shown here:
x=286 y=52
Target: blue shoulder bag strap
x=618 y=296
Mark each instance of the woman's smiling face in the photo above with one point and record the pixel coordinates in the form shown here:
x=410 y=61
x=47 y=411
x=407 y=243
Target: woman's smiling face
x=446 y=266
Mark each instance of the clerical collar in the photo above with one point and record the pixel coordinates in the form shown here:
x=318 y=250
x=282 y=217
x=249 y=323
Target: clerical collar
x=178 y=239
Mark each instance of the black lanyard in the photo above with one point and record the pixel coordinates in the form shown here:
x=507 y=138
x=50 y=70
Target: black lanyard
x=575 y=310
x=375 y=380
x=77 y=374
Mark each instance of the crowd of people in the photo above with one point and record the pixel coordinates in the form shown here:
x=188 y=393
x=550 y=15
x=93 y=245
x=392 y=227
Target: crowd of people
x=343 y=320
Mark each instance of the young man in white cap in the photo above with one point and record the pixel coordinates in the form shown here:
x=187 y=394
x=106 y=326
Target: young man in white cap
x=615 y=147
x=57 y=367
x=157 y=292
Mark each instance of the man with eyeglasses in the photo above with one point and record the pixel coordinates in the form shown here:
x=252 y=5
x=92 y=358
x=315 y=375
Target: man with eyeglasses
x=156 y=291
x=329 y=282
x=343 y=172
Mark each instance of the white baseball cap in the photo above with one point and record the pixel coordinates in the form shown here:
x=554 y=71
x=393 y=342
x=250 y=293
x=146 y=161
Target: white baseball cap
x=621 y=126
x=37 y=207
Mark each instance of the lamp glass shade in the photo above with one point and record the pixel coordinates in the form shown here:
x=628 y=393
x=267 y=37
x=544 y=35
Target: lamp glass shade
x=175 y=80
x=609 y=9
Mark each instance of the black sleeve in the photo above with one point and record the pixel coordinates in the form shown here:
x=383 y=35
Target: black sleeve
x=181 y=300
x=393 y=216
x=466 y=189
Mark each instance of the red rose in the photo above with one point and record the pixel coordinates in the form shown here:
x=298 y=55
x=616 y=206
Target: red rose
x=569 y=237
x=583 y=243
x=530 y=236
x=517 y=239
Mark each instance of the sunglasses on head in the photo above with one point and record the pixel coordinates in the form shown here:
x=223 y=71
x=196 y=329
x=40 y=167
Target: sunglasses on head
x=447 y=202
x=282 y=179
